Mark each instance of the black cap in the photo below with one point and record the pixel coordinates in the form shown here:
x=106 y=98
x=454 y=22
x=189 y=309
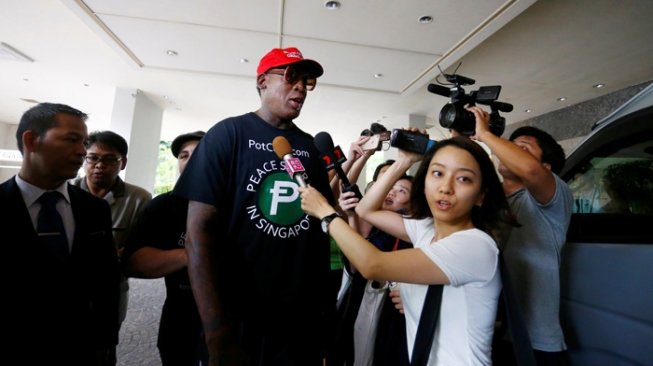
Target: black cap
x=180 y=140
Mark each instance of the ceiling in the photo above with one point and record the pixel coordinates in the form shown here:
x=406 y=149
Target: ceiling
x=538 y=51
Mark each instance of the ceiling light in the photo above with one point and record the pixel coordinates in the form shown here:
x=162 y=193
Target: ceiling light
x=528 y=110
x=378 y=76
x=426 y=19
x=171 y=53
x=598 y=86
x=11 y=54
x=562 y=99
x=85 y=84
x=332 y=5
x=244 y=60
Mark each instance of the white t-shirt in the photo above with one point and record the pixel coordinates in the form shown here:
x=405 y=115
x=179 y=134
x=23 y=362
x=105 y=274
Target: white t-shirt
x=469 y=258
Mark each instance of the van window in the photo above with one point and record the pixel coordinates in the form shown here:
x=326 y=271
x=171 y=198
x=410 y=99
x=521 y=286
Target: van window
x=618 y=180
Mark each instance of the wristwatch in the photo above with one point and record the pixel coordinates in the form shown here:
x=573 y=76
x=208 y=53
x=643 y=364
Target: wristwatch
x=326 y=220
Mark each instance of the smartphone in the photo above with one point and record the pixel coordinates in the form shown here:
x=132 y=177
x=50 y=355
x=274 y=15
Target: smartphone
x=374 y=143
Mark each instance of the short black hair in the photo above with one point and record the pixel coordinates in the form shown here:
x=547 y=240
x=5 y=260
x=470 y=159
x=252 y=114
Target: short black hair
x=109 y=139
x=40 y=118
x=552 y=153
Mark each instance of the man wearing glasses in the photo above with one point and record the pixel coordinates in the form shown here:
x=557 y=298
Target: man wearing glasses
x=258 y=265
x=106 y=156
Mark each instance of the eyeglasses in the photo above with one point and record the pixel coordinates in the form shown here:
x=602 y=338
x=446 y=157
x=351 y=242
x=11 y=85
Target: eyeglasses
x=107 y=160
x=292 y=76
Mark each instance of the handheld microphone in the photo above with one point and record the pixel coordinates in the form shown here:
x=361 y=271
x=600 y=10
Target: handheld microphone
x=294 y=166
x=333 y=157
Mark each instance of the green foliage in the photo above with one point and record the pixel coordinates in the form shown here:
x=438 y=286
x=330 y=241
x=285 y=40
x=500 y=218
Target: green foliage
x=166 y=171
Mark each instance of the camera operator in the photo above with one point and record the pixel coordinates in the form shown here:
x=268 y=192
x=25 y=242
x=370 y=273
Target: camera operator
x=529 y=163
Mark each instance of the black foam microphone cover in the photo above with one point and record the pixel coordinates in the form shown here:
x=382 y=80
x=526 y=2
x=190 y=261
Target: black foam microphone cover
x=323 y=142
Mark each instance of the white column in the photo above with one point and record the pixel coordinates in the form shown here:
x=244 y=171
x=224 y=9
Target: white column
x=138 y=119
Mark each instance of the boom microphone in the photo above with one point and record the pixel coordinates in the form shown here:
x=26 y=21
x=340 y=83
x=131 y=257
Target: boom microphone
x=332 y=157
x=294 y=166
x=501 y=106
x=439 y=90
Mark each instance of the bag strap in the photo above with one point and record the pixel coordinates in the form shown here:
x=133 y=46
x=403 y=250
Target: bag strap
x=428 y=320
x=521 y=342
x=396 y=246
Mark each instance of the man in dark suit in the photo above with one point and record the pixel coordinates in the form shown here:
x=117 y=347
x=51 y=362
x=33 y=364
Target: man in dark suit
x=61 y=305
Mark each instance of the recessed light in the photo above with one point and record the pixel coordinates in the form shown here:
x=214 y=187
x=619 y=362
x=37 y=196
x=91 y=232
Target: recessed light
x=528 y=110
x=171 y=53
x=85 y=84
x=244 y=60
x=25 y=79
x=598 y=86
x=332 y=5
x=562 y=99
x=378 y=76
x=426 y=19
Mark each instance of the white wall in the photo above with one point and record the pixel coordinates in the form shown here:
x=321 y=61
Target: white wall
x=9 y=155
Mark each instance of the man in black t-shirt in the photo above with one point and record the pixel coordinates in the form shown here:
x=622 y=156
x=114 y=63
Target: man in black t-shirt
x=258 y=264
x=155 y=249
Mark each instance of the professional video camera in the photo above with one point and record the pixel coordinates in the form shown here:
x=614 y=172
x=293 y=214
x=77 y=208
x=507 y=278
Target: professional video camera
x=454 y=115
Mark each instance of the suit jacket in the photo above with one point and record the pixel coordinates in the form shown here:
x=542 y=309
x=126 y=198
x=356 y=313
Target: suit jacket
x=58 y=313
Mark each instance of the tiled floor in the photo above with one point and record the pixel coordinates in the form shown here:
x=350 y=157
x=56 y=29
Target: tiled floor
x=138 y=333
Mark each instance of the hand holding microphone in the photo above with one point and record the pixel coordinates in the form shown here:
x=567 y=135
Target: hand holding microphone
x=333 y=157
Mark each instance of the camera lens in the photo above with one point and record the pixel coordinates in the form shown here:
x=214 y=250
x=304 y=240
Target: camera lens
x=457 y=118
x=448 y=116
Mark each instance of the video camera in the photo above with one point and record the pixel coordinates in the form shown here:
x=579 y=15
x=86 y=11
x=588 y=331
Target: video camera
x=454 y=115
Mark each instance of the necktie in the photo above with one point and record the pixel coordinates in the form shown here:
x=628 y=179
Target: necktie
x=49 y=226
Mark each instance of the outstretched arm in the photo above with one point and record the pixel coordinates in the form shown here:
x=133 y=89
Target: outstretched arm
x=150 y=262
x=532 y=173
x=408 y=265
x=370 y=207
x=356 y=159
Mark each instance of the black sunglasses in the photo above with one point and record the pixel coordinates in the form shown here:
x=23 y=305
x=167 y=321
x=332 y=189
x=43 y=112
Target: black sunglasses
x=292 y=75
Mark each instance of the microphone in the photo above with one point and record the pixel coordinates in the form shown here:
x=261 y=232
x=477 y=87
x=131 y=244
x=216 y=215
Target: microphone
x=439 y=90
x=333 y=157
x=501 y=106
x=294 y=166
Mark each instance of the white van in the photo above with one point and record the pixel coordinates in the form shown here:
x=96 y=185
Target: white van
x=607 y=264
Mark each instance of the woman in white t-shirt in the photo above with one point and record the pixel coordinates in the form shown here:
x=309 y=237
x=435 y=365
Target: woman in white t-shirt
x=457 y=205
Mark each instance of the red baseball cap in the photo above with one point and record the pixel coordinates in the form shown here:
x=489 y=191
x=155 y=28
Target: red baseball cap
x=287 y=56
